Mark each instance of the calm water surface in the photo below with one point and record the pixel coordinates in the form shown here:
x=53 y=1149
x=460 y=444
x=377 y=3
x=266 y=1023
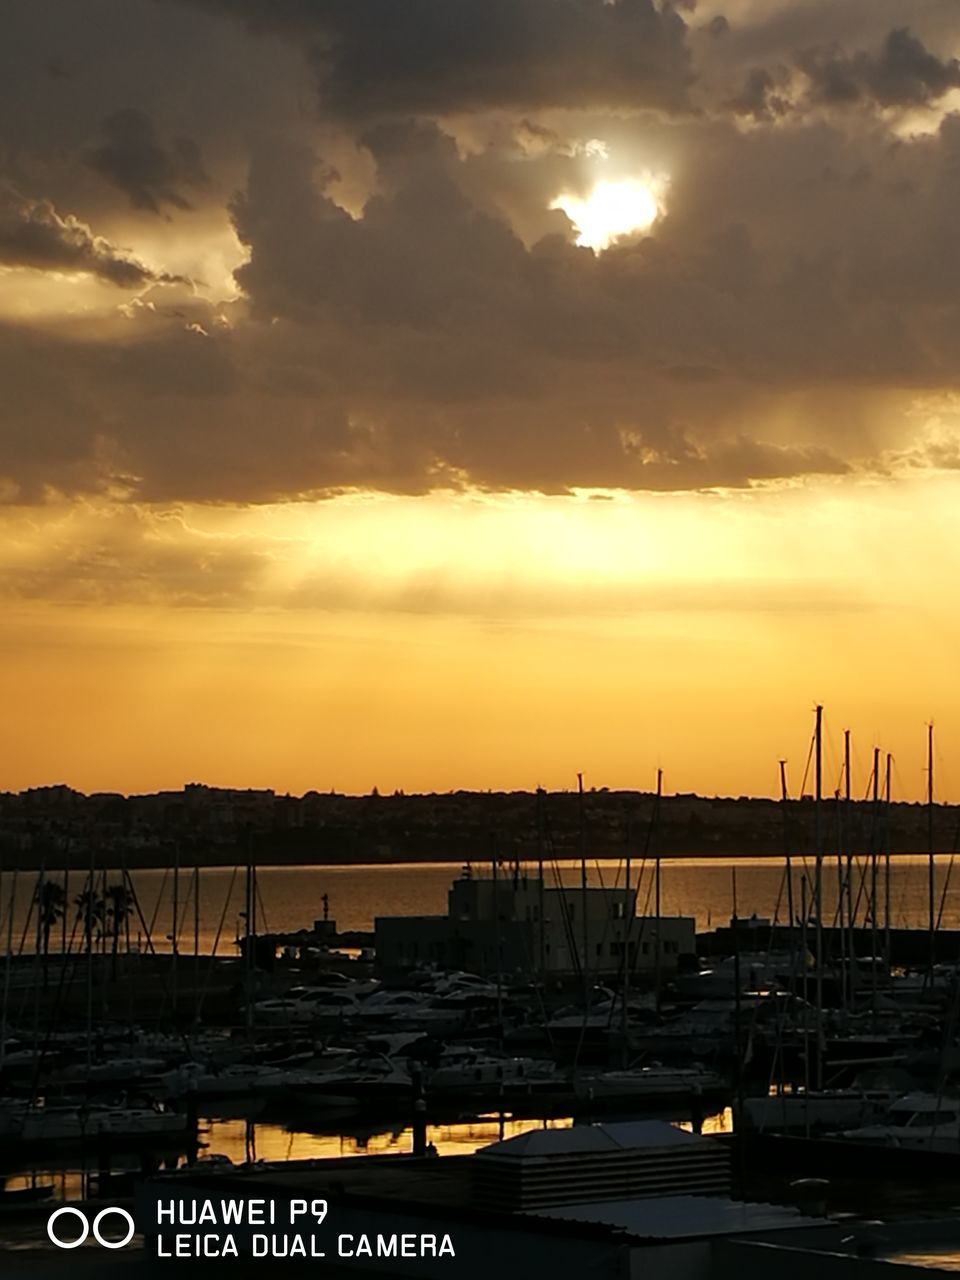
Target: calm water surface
x=241 y=1140
x=291 y=898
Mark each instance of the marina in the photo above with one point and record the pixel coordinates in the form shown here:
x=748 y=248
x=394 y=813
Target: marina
x=210 y=1023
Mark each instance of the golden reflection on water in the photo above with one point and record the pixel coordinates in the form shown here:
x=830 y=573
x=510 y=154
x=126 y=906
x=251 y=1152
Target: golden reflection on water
x=241 y=1141
x=244 y=1140
x=722 y=1122
x=932 y=1260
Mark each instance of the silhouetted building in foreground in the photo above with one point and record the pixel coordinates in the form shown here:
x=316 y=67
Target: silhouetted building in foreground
x=514 y=923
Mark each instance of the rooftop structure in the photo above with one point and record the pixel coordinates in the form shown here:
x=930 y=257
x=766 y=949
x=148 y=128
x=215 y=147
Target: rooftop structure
x=588 y=1163
x=516 y=923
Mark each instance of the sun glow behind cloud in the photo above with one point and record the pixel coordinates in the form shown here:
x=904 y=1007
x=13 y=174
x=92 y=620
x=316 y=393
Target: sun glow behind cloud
x=613 y=208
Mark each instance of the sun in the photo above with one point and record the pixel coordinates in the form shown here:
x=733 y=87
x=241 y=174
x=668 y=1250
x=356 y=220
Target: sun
x=612 y=209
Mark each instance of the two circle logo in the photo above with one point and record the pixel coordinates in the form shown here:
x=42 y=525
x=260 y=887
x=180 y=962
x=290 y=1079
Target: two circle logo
x=86 y=1227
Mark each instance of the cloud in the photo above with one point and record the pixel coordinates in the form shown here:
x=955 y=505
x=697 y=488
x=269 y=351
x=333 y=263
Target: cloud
x=760 y=97
x=91 y=553
x=33 y=234
x=412 y=314
x=424 y=345
x=99 y=555
x=441 y=56
x=150 y=175
x=904 y=73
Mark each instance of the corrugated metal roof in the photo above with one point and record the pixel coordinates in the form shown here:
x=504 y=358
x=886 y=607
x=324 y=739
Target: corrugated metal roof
x=681 y=1217
x=626 y=1136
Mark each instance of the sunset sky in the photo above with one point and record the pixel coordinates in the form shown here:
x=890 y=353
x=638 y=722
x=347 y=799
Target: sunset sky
x=441 y=393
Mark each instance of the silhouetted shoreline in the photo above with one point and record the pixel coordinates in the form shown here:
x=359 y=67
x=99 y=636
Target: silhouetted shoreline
x=59 y=828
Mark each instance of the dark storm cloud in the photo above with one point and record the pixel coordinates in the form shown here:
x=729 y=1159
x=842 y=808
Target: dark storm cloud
x=903 y=74
x=760 y=97
x=33 y=234
x=440 y=56
x=150 y=175
x=447 y=331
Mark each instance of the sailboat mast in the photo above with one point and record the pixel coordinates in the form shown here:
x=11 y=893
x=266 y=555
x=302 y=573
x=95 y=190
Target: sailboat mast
x=175 y=906
x=627 y=922
x=786 y=844
x=873 y=874
x=196 y=943
x=88 y=923
x=66 y=899
x=584 y=927
x=848 y=883
x=739 y=1051
x=7 y=966
x=656 y=892
x=804 y=929
x=886 y=863
x=818 y=888
x=497 y=942
x=540 y=931
x=248 y=944
x=932 y=921
x=838 y=917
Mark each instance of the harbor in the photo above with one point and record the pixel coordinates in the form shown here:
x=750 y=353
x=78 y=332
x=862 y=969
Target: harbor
x=154 y=1030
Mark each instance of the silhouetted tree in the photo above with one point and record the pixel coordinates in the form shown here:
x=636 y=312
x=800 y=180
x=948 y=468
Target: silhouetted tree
x=118 y=908
x=51 y=907
x=90 y=912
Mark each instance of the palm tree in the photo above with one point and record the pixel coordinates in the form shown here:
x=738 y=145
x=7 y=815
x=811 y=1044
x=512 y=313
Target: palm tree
x=51 y=907
x=118 y=907
x=90 y=912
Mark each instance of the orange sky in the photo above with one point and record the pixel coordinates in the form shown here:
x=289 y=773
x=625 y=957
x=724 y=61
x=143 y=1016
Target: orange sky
x=455 y=411
x=485 y=642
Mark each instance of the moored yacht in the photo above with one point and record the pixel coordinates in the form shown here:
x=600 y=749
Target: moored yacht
x=917 y=1122
x=817 y=1109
